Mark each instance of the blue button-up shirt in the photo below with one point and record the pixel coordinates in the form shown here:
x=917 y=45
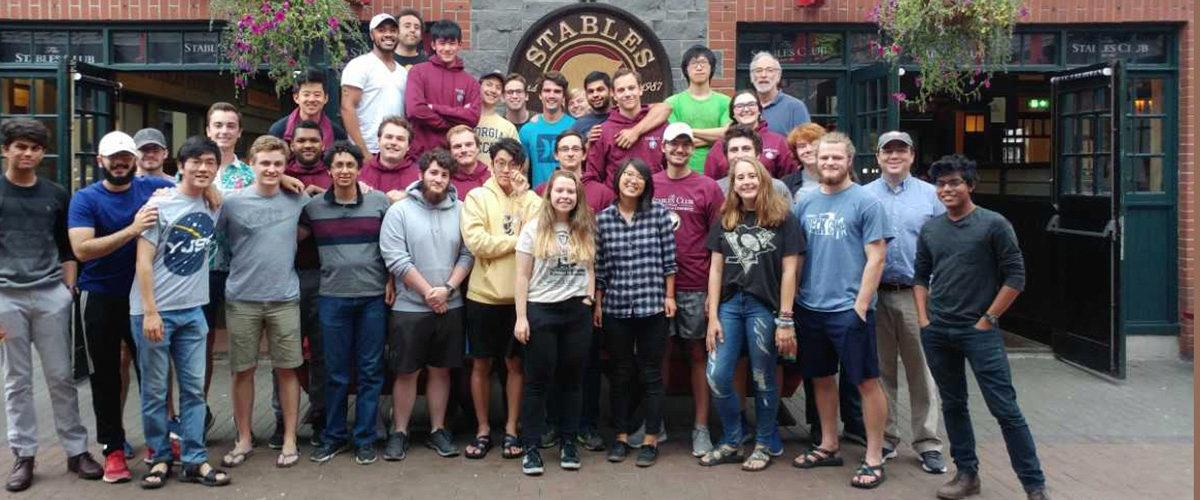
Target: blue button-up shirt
x=909 y=205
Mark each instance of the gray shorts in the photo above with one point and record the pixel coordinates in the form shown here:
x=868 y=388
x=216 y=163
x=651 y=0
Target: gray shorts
x=689 y=322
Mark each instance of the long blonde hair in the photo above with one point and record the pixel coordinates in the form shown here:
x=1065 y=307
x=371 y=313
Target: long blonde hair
x=581 y=242
x=771 y=208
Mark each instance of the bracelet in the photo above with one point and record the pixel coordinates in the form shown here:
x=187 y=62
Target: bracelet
x=786 y=314
x=784 y=323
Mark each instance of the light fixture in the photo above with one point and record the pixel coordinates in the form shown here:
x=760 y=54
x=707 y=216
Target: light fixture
x=973 y=123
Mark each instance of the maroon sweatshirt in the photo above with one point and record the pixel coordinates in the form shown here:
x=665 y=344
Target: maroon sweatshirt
x=439 y=95
x=604 y=156
x=386 y=179
x=317 y=175
x=776 y=156
x=464 y=183
x=599 y=196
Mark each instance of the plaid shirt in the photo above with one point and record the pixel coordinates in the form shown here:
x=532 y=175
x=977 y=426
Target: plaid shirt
x=633 y=261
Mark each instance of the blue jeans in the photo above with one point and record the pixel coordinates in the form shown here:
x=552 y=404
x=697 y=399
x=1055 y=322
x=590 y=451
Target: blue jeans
x=946 y=349
x=748 y=325
x=354 y=331
x=185 y=333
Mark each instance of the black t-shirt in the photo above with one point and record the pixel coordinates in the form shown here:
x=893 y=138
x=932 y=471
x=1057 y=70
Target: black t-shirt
x=754 y=256
x=409 y=61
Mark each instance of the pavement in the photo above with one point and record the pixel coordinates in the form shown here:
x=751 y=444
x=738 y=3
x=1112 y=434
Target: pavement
x=1096 y=439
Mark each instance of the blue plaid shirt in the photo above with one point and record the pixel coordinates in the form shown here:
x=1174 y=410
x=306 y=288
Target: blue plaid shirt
x=633 y=261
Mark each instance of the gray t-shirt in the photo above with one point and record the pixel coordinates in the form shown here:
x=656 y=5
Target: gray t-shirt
x=182 y=236
x=556 y=279
x=837 y=226
x=261 y=232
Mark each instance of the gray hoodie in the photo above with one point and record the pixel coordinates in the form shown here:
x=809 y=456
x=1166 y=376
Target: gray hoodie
x=425 y=238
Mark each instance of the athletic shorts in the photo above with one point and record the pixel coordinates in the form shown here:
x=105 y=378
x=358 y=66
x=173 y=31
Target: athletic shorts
x=420 y=339
x=689 y=322
x=828 y=337
x=490 y=330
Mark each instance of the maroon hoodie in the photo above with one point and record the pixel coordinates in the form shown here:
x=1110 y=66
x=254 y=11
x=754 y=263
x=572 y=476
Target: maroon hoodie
x=317 y=175
x=604 y=156
x=776 y=156
x=599 y=196
x=464 y=183
x=439 y=95
x=387 y=179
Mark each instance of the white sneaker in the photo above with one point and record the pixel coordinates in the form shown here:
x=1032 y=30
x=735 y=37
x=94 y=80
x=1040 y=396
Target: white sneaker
x=701 y=441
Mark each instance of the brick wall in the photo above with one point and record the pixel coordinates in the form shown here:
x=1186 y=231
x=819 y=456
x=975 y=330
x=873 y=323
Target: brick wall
x=725 y=14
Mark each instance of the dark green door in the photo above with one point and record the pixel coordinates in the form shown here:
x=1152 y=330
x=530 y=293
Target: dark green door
x=872 y=112
x=1085 y=231
x=93 y=95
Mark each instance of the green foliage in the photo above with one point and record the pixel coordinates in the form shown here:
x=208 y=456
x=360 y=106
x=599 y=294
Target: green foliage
x=282 y=36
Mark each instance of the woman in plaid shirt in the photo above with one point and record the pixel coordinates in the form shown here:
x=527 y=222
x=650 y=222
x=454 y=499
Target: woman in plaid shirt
x=635 y=294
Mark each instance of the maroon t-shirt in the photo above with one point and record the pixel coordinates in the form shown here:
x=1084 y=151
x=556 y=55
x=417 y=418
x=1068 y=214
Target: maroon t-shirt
x=695 y=203
x=463 y=182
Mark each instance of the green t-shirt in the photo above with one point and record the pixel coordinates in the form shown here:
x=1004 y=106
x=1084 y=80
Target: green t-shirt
x=710 y=112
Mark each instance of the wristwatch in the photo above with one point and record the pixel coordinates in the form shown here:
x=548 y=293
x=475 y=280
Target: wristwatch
x=992 y=318
x=450 y=289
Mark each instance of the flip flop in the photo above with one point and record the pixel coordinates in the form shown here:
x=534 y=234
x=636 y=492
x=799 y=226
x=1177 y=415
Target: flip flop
x=235 y=458
x=286 y=460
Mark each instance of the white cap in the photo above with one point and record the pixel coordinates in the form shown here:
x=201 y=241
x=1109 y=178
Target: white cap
x=381 y=18
x=677 y=129
x=117 y=142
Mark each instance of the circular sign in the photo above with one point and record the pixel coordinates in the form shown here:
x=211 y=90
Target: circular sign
x=578 y=39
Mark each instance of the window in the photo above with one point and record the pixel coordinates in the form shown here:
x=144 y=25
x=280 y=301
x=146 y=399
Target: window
x=1147 y=151
x=1088 y=47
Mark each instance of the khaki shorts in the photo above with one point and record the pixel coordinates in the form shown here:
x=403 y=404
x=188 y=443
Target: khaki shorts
x=247 y=321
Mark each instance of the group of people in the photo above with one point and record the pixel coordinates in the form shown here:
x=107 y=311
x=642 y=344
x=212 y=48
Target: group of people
x=730 y=229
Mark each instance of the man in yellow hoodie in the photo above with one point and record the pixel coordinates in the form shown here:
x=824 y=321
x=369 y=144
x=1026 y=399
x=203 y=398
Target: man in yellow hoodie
x=492 y=217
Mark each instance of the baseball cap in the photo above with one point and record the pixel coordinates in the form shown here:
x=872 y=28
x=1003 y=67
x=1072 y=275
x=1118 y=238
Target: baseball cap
x=382 y=18
x=677 y=129
x=495 y=73
x=149 y=136
x=894 y=135
x=117 y=142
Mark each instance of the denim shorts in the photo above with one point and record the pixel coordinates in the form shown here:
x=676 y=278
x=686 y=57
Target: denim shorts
x=827 y=338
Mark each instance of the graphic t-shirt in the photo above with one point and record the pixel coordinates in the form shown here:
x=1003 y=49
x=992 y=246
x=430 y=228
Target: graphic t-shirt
x=232 y=178
x=262 y=241
x=695 y=203
x=557 y=278
x=182 y=236
x=492 y=127
x=837 y=226
x=711 y=112
x=754 y=256
x=538 y=137
x=108 y=212
x=382 y=93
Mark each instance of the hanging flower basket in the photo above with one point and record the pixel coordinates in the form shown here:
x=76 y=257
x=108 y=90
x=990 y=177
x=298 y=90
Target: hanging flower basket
x=955 y=44
x=283 y=36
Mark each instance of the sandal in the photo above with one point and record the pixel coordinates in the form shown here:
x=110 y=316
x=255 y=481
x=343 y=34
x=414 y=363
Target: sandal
x=724 y=454
x=816 y=456
x=235 y=458
x=214 y=476
x=480 y=447
x=758 y=460
x=512 y=447
x=285 y=460
x=157 y=476
x=874 y=471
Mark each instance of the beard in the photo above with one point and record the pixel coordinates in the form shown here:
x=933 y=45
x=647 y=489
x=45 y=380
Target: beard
x=835 y=179
x=119 y=180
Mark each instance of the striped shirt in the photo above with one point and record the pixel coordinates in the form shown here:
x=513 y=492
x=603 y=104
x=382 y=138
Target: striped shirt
x=633 y=261
x=347 y=237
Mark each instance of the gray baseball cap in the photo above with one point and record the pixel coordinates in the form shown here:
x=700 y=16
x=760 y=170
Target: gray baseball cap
x=149 y=136
x=894 y=135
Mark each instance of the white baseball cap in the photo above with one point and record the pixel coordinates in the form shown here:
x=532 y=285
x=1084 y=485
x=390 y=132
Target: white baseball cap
x=382 y=18
x=677 y=129
x=117 y=142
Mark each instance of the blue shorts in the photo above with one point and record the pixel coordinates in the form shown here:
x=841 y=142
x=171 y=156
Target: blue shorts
x=829 y=338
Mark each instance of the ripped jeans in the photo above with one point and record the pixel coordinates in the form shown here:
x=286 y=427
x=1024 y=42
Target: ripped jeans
x=749 y=326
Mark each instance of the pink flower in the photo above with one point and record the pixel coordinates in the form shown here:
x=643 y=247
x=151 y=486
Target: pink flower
x=987 y=84
x=895 y=48
x=899 y=96
x=279 y=16
x=333 y=23
x=1023 y=11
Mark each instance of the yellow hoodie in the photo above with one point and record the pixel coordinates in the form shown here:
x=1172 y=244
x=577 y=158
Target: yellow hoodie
x=491 y=222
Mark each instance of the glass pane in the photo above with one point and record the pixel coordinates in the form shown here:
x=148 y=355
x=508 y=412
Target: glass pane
x=1086 y=137
x=1082 y=48
x=201 y=47
x=18 y=96
x=1091 y=47
x=1086 y=175
x=1069 y=135
x=1148 y=136
x=810 y=48
x=49 y=46
x=819 y=94
x=129 y=47
x=1148 y=96
x=1148 y=174
x=166 y=48
x=87 y=46
x=749 y=44
x=48 y=168
x=1067 y=184
x=860 y=48
x=1086 y=100
x=1150 y=48
x=52 y=125
x=1104 y=181
x=1102 y=133
x=1039 y=48
x=15 y=46
x=45 y=96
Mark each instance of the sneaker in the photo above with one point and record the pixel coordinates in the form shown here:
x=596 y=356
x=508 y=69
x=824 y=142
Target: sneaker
x=276 y=441
x=932 y=462
x=115 y=470
x=531 y=464
x=618 y=452
x=314 y=440
x=647 y=455
x=568 y=457
x=963 y=485
x=889 y=453
x=396 y=448
x=549 y=439
x=639 y=436
x=590 y=441
x=442 y=442
x=327 y=451
x=365 y=455
x=701 y=441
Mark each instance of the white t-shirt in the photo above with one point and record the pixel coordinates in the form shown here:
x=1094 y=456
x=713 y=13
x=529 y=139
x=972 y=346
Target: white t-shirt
x=556 y=279
x=382 y=93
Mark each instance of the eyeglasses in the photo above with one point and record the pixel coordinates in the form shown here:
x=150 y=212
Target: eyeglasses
x=745 y=105
x=951 y=183
x=570 y=149
x=699 y=63
x=764 y=71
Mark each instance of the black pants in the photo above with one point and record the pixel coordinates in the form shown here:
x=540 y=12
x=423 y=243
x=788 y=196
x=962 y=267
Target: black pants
x=559 y=336
x=636 y=343
x=106 y=325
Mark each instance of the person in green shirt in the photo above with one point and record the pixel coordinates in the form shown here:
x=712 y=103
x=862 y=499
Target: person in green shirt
x=705 y=110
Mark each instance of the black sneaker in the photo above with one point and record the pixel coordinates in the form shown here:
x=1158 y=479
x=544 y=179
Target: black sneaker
x=647 y=455
x=365 y=455
x=531 y=464
x=276 y=441
x=549 y=439
x=442 y=442
x=568 y=457
x=315 y=439
x=396 y=448
x=932 y=462
x=889 y=453
x=590 y=440
x=618 y=452
x=327 y=451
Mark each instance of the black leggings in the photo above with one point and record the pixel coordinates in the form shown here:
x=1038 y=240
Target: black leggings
x=560 y=334
x=643 y=340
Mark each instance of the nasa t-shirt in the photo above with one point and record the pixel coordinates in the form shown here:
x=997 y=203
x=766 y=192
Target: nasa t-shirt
x=182 y=237
x=754 y=256
x=557 y=278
